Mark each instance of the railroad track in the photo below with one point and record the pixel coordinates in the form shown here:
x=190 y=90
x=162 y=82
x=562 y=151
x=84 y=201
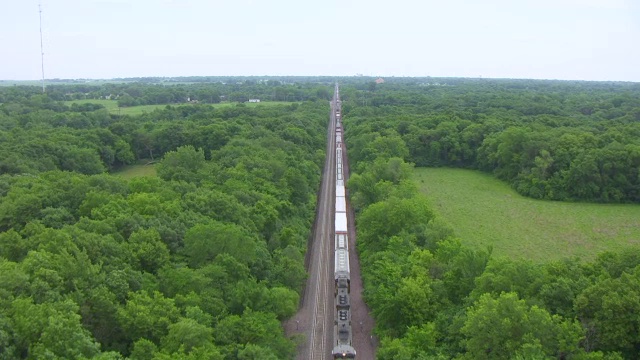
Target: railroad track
x=320 y=332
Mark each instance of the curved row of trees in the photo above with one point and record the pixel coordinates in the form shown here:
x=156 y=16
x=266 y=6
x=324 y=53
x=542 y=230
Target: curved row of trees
x=201 y=262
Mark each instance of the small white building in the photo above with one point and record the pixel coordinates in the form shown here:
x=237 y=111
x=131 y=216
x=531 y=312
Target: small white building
x=254 y=100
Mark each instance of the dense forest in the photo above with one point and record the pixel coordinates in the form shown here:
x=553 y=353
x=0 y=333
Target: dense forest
x=553 y=140
x=201 y=262
x=433 y=298
x=205 y=260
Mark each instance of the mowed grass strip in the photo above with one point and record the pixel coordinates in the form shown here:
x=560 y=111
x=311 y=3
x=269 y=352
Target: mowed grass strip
x=487 y=212
x=112 y=105
x=131 y=171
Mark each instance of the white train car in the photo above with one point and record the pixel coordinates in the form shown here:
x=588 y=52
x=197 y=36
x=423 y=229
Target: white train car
x=341 y=223
x=341 y=204
x=343 y=330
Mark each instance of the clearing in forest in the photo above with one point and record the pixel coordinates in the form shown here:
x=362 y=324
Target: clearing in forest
x=487 y=212
x=112 y=105
x=137 y=170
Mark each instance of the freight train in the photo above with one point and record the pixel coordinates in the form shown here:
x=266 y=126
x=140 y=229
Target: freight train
x=342 y=334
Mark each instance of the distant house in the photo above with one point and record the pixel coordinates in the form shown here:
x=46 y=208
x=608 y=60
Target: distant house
x=254 y=100
x=379 y=81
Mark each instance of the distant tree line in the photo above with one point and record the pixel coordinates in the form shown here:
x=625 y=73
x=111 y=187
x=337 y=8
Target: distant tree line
x=145 y=93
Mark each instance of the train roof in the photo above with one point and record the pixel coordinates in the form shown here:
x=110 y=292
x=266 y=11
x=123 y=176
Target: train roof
x=341 y=222
x=342 y=263
x=341 y=241
x=341 y=204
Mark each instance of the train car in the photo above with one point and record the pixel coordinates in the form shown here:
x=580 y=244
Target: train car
x=342 y=300
x=343 y=352
x=342 y=241
x=342 y=291
x=342 y=336
x=341 y=223
x=342 y=275
x=341 y=204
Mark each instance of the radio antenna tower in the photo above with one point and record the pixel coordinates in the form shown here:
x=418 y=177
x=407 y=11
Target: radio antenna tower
x=41 y=46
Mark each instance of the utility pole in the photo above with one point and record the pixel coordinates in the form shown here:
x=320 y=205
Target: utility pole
x=41 y=46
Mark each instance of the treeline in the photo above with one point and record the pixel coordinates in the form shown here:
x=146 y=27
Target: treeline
x=43 y=134
x=432 y=298
x=143 y=93
x=554 y=140
x=201 y=262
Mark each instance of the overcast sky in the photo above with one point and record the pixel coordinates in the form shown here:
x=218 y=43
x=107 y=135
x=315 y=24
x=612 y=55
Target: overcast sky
x=540 y=39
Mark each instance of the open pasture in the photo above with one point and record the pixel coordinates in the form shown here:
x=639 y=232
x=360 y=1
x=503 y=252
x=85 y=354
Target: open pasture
x=112 y=105
x=487 y=212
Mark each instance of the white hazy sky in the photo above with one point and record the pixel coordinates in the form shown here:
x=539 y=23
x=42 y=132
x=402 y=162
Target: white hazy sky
x=540 y=39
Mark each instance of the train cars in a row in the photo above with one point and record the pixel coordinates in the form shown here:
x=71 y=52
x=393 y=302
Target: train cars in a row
x=342 y=336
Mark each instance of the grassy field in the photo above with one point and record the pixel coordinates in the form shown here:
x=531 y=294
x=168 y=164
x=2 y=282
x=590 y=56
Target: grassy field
x=131 y=171
x=112 y=105
x=485 y=211
x=264 y=103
